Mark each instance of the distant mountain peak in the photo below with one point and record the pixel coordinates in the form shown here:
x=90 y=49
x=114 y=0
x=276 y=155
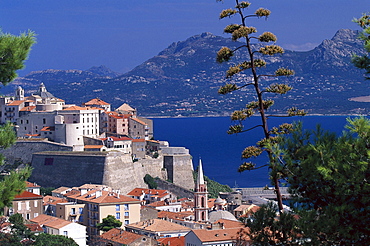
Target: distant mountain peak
x=103 y=71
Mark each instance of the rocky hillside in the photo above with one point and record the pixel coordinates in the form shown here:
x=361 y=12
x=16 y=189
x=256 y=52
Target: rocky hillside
x=183 y=80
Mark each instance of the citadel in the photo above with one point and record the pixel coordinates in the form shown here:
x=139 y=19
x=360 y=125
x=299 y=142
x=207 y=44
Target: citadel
x=73 y=145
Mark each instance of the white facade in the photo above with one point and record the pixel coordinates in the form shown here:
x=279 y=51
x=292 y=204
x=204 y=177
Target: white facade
x=64 y=126
x=73 y=230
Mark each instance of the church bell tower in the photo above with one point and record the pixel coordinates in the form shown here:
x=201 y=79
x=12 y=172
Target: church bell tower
x=201 y=197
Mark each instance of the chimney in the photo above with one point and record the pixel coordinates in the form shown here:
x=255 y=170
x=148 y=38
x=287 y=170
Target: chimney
x=83 y=192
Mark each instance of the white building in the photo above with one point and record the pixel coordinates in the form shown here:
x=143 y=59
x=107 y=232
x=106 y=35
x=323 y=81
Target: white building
x=66 y=126
x=56 y=226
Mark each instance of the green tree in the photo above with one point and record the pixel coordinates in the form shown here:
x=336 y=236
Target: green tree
x=363 y=62
x=109 y=223
x=265 y=229
x=14 y=51
x=19 y=230
x=44 y=239
x=329 y=179
x=150 y=181
x=256 y=48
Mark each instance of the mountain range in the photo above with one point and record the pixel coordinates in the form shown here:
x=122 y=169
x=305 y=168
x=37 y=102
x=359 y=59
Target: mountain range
x=183 y=79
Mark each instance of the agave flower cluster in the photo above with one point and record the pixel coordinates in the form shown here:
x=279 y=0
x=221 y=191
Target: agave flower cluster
x=254 y=61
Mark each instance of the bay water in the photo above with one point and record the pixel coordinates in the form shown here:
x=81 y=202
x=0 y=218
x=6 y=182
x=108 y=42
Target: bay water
x=206 y=138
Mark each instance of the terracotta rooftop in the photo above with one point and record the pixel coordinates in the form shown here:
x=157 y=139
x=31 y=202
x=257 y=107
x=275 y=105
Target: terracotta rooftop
x=117 y=138
x=174 y=215
x=230 y=223
x=52 y=200
x=120 y=236
x=48 y=128
x=216 y=235
x=93 y=146
x=32 y=185
x=96 y=101
x=34 y=227
x=105 y=197
x=50 y=221
x=26 y=195
x=157 y=225
x=28 y=108
x=15 y=103
x=75 y=108
x=61 y=189
x=139 y=191
x=173 y=241
x=138 y=140
x=125 y=107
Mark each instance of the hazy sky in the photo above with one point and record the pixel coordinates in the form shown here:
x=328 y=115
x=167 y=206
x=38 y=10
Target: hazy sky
x=121 y=34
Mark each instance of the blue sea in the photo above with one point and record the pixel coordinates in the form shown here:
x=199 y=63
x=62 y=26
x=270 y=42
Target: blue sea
x=206 y=138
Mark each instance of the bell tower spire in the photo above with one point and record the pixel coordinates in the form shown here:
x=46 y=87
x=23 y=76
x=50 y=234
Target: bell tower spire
x=201 y=196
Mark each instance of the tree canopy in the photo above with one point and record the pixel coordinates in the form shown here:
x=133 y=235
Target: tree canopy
x=109 y=223
x=363 y=62
x=14 y=51
x=330 y=180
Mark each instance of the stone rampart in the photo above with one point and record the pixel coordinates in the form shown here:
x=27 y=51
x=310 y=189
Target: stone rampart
x=23 y=149
x=180 y=170
x=113 y=169
x=175 y=189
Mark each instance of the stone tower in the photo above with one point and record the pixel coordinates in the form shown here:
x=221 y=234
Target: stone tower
x=201 y=197
x=19 y=93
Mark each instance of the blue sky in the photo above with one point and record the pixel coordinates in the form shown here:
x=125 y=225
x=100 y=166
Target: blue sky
x=121 y=34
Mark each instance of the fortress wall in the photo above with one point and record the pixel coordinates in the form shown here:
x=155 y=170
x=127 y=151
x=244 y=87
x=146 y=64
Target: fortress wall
x=23 y=149
x=55 y=169
x=121 y=173
x=179 y=170
x=175 y=189
x=113 y=169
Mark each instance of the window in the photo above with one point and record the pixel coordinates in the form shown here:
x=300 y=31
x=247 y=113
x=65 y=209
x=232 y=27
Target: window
x=117 y=207
x=28 y=216
x=127 y=214
x=127 y=222
x=35 y=204
x=44 y=121
x=27 y=205
x=81 y=210
x=19 y=205
x=35 y=215
x=118 y=216
x=81 y=218
x=65 y=233
x=125 y=206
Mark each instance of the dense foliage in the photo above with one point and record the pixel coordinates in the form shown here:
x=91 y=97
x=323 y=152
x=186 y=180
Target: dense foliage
x=150 y=181
x=108 y=223
x=363 y=62
x=13 y=52
x=330 y=180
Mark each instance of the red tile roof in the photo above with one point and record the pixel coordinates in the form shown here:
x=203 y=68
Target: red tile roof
x=51 y=221
x=120 y=236
x=205 y=235
x=173 y=241
x=106 y=197
x=15 y=103
x=117 y=138
x=32 y=185
x=28 y=108
x=26 y=195
x=96 y=101
x=48 y=128
x=139 y=191
x=34 y=227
